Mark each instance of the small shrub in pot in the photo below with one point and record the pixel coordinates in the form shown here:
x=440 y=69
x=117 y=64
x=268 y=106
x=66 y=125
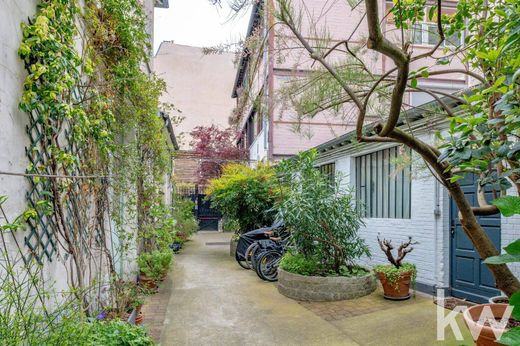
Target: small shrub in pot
x=396 y=277
x=154 y=265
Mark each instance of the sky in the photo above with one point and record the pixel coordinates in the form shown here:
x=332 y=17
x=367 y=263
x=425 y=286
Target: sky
x=197 y=23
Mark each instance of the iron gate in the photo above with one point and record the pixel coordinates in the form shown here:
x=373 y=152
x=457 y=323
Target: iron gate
x=207 y=216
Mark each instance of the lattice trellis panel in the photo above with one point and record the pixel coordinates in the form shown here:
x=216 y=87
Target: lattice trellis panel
x=41 y=241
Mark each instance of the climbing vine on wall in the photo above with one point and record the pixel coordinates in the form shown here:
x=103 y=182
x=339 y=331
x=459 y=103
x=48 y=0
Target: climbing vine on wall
x=98 y=154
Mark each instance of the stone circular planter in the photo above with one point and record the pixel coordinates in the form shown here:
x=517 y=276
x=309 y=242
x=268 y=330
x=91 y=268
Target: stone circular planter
x=322 y=289
x=232 y=247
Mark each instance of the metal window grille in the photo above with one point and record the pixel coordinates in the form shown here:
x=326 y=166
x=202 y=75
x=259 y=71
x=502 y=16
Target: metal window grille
x=382 y=187
x=329 y=170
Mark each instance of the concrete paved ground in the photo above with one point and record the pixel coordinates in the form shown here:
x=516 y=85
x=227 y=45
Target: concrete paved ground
x=215 y=302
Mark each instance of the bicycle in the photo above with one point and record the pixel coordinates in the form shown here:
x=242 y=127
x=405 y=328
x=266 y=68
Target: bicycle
x=266 y=260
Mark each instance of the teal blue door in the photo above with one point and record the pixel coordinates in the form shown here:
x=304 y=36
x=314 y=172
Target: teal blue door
x=470 y=278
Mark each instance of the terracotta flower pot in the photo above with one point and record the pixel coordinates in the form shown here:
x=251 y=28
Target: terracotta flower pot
x=487 y=334
x=399 y=291
x=138 y=308
x=498 y=300
x=139 y=318
x=147 y=282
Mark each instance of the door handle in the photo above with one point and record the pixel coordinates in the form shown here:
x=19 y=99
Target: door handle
x=452 y=230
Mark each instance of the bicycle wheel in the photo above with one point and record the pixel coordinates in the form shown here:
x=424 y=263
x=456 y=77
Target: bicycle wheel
x=241 y=260
x=257 y=251
x=242 y=263
x=250 y=253
x=267 y=265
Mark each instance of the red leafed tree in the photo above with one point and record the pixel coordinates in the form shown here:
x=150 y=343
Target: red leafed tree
x=214 y=147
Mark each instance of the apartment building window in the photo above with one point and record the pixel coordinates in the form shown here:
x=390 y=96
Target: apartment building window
x=428 y=34
x=259 y=123
x=329 y=170
x=250 y=132
x=382 y=186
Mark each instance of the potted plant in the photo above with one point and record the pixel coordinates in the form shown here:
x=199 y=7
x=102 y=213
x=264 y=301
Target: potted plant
x=396 y=277
x=178 y=241
x=153 y=266
x=491 y=327
x=324 y=220
x=507 y=330
x=501 y=299
x=137 y=305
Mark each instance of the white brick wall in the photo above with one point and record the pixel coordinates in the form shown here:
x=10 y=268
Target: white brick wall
x=432 y=254
x=510 y=233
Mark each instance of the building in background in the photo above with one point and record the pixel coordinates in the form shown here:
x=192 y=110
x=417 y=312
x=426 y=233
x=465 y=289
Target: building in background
x=198 y=86
x=272 y=129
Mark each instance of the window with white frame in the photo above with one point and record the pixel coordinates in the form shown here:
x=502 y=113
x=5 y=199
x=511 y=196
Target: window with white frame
x=382 y=186
x=427 y=33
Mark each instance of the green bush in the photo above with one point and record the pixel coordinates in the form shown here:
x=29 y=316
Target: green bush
x=118 y=333
x=230 y=225
x=155 y=264
x=183 y=215
x=299 y=264
x=159 y=233
x=392 y=273
x=97 y=333
x=245 y=194
x=322 y=217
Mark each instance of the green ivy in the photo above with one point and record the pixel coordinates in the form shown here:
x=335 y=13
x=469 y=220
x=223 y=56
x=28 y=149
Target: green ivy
x=392 y=273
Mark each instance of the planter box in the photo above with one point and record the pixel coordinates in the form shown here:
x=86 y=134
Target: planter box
x=232 y=247
x=322 y=289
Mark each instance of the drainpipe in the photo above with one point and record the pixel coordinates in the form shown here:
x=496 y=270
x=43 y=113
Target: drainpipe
x=437 y=215
x=270 y=78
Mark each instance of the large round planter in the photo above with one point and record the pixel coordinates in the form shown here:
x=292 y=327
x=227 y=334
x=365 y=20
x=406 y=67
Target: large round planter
x=487 y=335
x=399 y=291
x=322 y=289
x=232 y=247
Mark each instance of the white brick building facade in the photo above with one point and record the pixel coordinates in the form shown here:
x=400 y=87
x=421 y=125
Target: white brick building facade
x=429 y=221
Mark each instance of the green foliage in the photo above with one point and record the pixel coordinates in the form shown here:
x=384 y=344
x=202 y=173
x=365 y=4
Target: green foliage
x=486 y=142
x=183 y=215
x=245 y=194
x=117 y=333
x=508 y=205
x=512 y=254
x=159 y=231
x=322 y=216
x=155 y=264
x=392 y=273
x=408 y=12
x=298 y=264
x=230 y=225
x=97 y=333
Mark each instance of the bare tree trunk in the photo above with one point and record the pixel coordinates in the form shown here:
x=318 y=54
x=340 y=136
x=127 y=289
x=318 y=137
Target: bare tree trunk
x=505 y=280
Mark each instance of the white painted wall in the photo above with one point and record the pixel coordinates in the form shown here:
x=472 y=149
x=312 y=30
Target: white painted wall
x=258 y=149
x=14 y=140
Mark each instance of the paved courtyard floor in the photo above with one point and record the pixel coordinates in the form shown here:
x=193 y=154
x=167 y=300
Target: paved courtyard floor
x=209 y=300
